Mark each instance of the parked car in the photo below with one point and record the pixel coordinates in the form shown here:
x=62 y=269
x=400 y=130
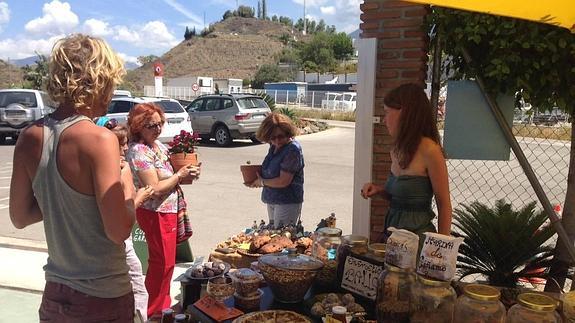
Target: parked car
x=176 y=117
x=225 y=117
x=21 y=107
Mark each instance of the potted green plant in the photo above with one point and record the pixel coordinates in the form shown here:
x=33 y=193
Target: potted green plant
x=183 y=151
x=503 y=244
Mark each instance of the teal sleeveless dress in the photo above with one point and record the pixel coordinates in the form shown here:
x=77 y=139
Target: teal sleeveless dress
x=410 y=204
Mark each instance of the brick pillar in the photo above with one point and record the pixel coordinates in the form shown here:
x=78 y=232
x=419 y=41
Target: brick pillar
x=401 y=58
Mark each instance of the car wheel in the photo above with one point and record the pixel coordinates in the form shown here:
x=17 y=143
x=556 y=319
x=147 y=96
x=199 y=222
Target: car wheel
x=222 y=136
x=255 y=140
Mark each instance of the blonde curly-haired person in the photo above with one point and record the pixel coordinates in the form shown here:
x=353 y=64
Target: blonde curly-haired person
x=66 y=173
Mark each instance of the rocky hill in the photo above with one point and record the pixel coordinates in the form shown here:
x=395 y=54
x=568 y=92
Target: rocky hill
x=235 y=49
x=9 y=75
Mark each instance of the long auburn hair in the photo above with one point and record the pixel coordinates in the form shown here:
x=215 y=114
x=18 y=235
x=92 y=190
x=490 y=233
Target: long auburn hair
x=415 y=122
x=138 y=116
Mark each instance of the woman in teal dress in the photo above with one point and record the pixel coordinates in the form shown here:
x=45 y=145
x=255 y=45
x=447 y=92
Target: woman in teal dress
x=418 y=168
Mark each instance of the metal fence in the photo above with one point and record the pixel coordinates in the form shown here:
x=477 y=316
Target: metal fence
x=547 y=148
x=335 y=101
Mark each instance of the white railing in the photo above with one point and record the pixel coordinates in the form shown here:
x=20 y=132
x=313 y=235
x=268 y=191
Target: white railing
x=335 y=101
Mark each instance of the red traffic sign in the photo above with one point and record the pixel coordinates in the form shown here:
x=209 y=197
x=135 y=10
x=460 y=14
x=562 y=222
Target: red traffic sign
x=195 y=87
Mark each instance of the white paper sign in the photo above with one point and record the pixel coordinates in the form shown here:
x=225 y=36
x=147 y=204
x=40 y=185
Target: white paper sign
x=360 y=277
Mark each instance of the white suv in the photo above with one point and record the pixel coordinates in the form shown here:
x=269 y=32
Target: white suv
x=21 y=107
x=177 y=119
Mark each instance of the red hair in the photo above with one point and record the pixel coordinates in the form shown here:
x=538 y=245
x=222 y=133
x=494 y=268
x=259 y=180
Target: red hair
x=139 y=116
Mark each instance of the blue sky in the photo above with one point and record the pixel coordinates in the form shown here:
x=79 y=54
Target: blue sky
x=139 y=27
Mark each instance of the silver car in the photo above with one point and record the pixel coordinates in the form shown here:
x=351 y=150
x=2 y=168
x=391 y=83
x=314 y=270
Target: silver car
x=21 y=107
x=225 y=117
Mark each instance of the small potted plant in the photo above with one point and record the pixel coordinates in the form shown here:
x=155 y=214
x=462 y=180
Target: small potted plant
x=250 y=172
x=182 y=152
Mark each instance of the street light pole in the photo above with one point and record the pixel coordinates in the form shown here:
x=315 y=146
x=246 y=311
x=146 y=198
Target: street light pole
x=304 y=19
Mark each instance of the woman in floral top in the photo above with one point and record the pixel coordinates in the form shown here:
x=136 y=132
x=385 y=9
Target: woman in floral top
x=157 y=217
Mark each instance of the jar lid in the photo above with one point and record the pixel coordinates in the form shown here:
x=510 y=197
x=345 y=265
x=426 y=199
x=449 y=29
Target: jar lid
x=338 y=310
x=377 y=249
x=482 y=292
x=329 y=232
x=537 y=302
x=291 y=261
x=354 y=239
x=432 y=282
x=396 y=269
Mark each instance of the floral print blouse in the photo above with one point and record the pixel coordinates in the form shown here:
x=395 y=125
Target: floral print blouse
x=143 y=157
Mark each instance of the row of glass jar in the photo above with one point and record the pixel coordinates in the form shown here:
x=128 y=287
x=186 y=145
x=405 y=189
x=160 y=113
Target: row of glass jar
x=405 y=297
x=332 y=249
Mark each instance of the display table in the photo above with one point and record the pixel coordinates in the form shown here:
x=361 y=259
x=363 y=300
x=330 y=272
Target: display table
x=267 y=302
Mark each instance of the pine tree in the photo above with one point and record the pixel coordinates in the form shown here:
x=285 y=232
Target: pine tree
x=187 y=34
x=259 y=10
x=264 y=10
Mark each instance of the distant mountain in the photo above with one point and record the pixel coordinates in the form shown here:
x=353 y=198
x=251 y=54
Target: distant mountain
x=131 y=66
x=354 y=34
x=32 y=60
x=24 y=61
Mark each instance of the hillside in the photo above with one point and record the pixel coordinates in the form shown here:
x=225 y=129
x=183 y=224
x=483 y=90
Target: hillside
x=236 y=48
x=9 y=74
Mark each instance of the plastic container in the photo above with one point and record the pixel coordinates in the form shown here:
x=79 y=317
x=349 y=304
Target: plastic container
x=339 y=313
x=393 y=294
x=246 y=281
x=324 y=248
x=251 y=302
x=289 y=275
x=479 y=303
x=533 y=308
x=431 y=301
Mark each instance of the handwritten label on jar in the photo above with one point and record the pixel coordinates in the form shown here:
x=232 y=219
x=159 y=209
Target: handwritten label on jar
x=360 y=277
x=439 y=256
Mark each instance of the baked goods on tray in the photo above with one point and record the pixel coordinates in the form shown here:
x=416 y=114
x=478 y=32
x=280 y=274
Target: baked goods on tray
x=273 y=316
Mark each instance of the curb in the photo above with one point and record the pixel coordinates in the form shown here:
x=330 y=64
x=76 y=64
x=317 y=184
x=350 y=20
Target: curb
x=23 y=244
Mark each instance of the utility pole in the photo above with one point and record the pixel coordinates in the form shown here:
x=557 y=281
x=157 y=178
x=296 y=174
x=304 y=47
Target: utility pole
x=237 y=5
x=204 y=20
x=304 y=19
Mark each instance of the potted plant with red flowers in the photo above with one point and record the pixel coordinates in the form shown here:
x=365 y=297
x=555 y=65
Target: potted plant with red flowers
x=183 y=151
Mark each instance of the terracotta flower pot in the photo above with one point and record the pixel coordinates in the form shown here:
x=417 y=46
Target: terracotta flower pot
x=249 y=172
x=180 y=160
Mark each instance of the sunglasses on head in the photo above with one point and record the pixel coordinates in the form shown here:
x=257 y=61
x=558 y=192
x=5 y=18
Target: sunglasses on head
x=151 y=126
x=280 y=137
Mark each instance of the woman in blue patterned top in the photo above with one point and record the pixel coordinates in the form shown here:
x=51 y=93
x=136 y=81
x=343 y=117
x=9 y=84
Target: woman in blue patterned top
x=282 y=170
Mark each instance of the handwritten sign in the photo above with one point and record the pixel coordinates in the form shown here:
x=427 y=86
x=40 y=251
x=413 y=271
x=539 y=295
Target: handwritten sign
x=360 y=277
x=439 y=256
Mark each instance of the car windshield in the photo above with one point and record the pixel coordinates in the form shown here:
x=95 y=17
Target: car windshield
x=171 y=107
x=27 y=99
x=252 y=103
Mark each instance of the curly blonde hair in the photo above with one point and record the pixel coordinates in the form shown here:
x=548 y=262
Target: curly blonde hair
x=84 y=71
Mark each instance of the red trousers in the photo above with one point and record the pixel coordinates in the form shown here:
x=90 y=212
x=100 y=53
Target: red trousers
x=160 y=231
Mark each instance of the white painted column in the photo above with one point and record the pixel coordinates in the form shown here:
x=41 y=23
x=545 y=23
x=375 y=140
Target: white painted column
x=366 y=71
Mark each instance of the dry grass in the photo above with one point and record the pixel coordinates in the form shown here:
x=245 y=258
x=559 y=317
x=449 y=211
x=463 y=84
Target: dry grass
x=10 y=75
x=533 y=131
x=236 y=48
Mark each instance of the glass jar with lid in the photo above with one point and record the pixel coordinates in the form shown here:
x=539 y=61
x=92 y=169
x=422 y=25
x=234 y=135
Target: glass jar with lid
x=431 y=300
x=479 y=303
x=393 y=294
x=324 y=248
x=376 y=253
x=533 y=308
x=350 y=244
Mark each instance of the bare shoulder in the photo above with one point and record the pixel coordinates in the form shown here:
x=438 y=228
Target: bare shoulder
x=430 y=148
x=90 y=138
x=31 y=138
